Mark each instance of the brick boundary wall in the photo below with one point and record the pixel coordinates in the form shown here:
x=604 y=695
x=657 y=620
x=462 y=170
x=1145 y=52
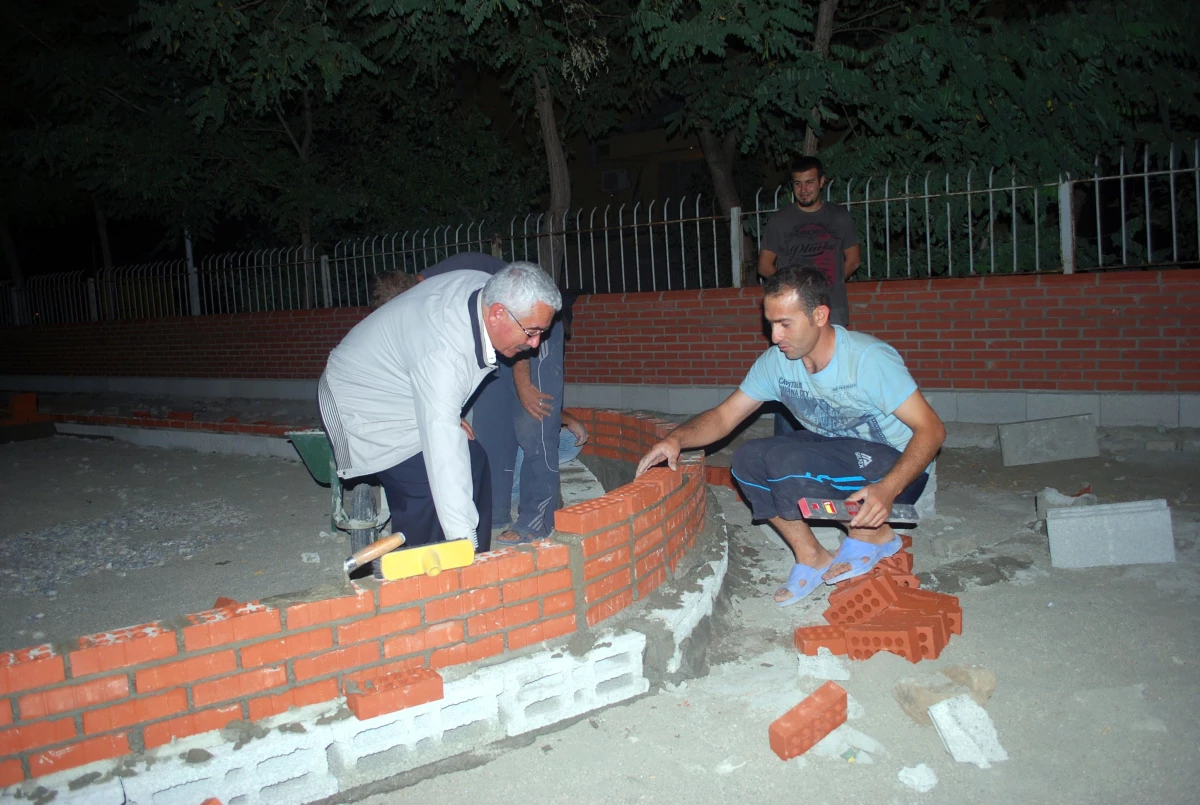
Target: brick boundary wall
x=1103 y=331
x=133 y=689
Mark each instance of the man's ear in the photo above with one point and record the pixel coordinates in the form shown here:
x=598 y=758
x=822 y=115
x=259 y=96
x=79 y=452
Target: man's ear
x=820 y=315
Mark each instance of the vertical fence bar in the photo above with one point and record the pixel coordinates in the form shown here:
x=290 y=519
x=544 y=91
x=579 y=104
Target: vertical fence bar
x=949 y=226
x=1174 y=228
x=1066 y=228
x=907 y=227
x=1013 y=215
x=735 y=244
x=887 y=223
x=928 y=230
x=1124 y=237
x=991 y=222
x=1099 y=232
x=970 y=226
x=193 y=277
x=1146 y=186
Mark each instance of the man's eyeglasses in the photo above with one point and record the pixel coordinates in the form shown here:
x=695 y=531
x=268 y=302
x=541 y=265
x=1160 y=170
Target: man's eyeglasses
x=530 y=332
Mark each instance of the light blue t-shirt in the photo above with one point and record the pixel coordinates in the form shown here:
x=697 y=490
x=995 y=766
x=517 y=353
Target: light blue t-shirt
x=853 y=397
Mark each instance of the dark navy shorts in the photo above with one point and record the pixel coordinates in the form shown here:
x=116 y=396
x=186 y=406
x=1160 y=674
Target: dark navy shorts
x=775 y=473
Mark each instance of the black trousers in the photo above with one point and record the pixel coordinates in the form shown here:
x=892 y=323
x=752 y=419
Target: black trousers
x=775 y=473
x=411 y=500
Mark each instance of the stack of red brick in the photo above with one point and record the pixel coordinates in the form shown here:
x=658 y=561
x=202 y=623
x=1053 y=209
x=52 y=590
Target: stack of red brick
x=22 y=410
x=885 y=611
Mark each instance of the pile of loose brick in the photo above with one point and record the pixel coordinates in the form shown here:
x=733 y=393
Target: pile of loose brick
x=883 y=610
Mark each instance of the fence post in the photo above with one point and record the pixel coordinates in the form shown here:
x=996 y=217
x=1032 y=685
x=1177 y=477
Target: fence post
x=193 y=277
x=17 y=308
x=1066 y=225
x=735 y=244
x=93 y=307
x=325 y=280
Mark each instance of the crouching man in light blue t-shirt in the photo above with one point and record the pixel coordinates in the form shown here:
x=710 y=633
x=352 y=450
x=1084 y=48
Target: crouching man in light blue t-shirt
x=869 y=435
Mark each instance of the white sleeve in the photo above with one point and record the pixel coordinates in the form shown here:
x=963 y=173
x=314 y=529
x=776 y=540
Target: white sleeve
x=439 y=389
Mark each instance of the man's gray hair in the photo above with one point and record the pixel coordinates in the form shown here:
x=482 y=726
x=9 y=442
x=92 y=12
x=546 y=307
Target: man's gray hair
x=519 y=287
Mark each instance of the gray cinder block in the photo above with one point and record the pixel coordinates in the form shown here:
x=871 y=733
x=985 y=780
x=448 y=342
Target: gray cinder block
x=1136 y=533
x=967 y=731
x=1040 y=440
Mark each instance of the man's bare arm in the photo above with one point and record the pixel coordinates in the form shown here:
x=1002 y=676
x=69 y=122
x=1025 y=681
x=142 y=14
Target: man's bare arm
x=928 y=435
x=766 y=262
x=852 y=259
x=701 y=430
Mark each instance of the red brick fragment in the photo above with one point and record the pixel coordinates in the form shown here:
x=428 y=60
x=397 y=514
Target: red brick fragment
x=861 y=601
x=810 y=638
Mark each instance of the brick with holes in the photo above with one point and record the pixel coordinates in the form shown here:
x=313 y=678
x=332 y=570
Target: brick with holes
x=799 y=729
x=809 y=639
x=915 y=636
x=862 y=601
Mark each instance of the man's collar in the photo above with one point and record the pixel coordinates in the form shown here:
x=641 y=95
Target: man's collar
x=485 y=353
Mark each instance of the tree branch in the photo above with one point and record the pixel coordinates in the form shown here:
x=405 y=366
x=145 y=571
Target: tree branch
x=288 y=130
x=843 y=27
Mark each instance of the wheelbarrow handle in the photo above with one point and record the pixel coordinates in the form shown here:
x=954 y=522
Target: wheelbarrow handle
x=375 y=550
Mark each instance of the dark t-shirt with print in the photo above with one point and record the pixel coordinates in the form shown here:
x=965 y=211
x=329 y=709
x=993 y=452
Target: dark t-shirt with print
x=816 y=239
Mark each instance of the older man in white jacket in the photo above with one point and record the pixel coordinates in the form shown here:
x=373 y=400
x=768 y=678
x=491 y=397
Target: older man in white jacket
x=393 y=391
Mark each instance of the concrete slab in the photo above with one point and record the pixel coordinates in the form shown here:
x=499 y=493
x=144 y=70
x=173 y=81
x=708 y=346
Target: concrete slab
x=1121 y=410
x=1050 y=404
x=1041 y=440
x=232 y=444
x=945 y=403
x=644 y=398
x=694 y=399
x=991 y=406
x=246 y=388
x=592 y=395
x=1189 y=410
x=1136 y=533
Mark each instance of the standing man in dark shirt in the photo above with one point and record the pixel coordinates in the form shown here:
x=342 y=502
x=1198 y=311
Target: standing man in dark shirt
x=812 y=233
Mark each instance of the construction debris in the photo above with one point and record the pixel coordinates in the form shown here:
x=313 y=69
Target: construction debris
x=1136 y=533
x=967 y=731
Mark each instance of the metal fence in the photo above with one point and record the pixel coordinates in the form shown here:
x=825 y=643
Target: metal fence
x=957 y=223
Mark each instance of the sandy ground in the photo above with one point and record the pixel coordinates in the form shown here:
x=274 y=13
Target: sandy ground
x=1098 y=697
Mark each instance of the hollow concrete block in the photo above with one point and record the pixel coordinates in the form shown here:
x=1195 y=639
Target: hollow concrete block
x=1038 y=441
x=1136 y=533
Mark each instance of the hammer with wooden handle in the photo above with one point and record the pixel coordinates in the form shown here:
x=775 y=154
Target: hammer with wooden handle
x=373 y=551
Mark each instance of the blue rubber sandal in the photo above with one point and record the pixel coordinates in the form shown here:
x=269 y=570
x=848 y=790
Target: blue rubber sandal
x=811 y=578
x=861 y=556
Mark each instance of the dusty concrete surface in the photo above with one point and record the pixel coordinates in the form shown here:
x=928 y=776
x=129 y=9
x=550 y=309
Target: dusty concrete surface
x=1098 y=694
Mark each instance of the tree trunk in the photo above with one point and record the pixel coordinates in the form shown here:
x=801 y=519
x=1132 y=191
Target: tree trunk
x=102 y=230
x=10 y=253
x=552 y=249
x=821 y=38
x=718 y=154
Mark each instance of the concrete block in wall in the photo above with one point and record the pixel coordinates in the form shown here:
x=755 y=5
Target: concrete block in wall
x=1123 y=410
x=1136 y=533
x=991 y=406
x=1189 y=410
x=1040 y=440
x=1044 y=405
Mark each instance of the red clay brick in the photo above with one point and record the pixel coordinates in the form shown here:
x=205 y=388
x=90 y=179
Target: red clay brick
x=395 y=692
x=591 y=515
x=121 y=648
x=30 y=668
x=606 y=541
x=70 y=697
x=639 y=495
x=520 y=613
x=648 y=541
x=184 y=672
x=431 y=637
x=311 y=613
x=606 y=609
x=86 y=751
x=323 y=691
x=237 y=686
x=519 y=590
x=648 y=519
x=191 y=724
x=350 y=680
x=6 y=713
x=649 y=583
x=32 y=736
x=378 y=626
x=11 y=772
x=217 y=627
x=668 y=480
x=554 y=604
x=809 y=639
x=125 y=714
x=646 y=565
x=608 y=585
x=467 y=652
x=861 y=601
x=512 y=564
x=551 y=555
x=456 y=606
x=295 y=645
x=553 y=582
x=480 y=574
x=332 y=662
x=606 y=562
x=487 y=622
x=543 y=630
x=799 y=729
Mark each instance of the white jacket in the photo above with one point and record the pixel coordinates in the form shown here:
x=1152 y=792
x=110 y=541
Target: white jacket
x=397 y=383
